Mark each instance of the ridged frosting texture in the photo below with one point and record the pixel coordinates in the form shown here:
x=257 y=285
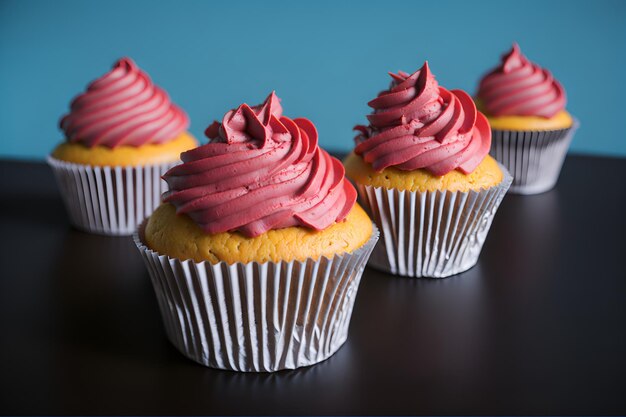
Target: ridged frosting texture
x=123 y=107
x=260 y=171
x=518 y=87
x=416 y=124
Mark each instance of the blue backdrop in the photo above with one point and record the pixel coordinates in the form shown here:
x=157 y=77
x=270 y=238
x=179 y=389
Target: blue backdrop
x=325 y=59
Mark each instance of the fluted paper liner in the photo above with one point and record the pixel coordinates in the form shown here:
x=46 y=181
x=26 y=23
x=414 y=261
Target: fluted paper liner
x=109 y=200
x=430 y=234
x=257 y=317
x=534 y=158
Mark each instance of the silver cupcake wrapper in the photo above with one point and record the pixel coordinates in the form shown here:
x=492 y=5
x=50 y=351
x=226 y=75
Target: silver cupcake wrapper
x=257 y=317
x=534 y=158
x=431 y=234
x=109 y=200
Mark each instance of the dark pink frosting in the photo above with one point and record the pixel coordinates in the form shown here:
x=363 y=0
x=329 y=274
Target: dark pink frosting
x=123 y=107
x=518 y=87
x=418 y=124
x=260 y=171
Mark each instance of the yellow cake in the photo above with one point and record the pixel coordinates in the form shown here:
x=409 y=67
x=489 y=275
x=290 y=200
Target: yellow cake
x=486 y=175
x=179 y=237
x=561 y=120
x=125 y=155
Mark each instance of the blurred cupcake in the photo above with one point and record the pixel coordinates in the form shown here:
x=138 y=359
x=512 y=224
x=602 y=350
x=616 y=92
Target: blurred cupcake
x=531 y=129
x=122 y=135
x=422 y=171
x=257 y=251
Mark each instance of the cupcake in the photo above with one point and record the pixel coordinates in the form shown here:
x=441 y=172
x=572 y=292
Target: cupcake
x=257 y=251
x=525 y=106
x=424 y=174
x=121 y=136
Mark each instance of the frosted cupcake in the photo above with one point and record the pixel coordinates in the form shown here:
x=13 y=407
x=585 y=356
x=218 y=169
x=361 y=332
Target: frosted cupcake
x=531 y=129
x=257 y=251
x=122 y=135
x=423 y=172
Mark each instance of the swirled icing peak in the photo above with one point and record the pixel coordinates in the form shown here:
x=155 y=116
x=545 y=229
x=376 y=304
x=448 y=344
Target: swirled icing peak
x=418 y=124
x=260 y=171
x=518 y=87
x=123 y=107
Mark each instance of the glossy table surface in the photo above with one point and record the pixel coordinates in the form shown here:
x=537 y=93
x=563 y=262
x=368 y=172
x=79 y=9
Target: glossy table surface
x=537 y=327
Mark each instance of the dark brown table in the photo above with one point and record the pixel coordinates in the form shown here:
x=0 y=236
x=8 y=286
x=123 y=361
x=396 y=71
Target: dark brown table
x=537 y=327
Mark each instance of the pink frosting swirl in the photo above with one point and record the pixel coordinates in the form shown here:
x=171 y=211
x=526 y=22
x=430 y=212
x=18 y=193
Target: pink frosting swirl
x=418 y=124
x=123 y=107
x=518 y=87
x=260 y=171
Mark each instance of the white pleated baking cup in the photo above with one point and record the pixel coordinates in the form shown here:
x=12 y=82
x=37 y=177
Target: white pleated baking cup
x=534 y=158
x=109 y=200
x=431 y=234
x=257 y=317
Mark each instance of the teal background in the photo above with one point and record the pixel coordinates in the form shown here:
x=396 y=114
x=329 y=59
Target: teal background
x=325 y=59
